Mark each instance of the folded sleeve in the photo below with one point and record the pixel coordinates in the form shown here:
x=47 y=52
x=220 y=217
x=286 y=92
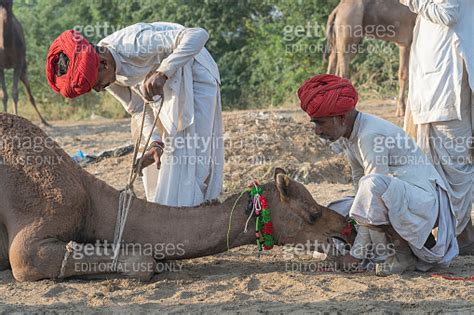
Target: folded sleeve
x=444 y=12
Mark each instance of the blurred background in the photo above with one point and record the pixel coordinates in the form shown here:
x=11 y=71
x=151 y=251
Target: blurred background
x=264 y=49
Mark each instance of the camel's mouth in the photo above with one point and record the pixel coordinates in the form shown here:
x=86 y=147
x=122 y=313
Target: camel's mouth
x=334 y=246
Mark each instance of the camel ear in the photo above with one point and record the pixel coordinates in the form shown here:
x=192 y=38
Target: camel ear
x=282 y=181
x=278 y=170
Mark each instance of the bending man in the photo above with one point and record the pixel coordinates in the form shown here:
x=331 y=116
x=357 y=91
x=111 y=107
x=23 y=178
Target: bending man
x=140 y=64
x=398 y=190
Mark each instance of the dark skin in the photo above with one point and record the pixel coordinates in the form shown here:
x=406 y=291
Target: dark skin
x=153 y=86
x=334 y=127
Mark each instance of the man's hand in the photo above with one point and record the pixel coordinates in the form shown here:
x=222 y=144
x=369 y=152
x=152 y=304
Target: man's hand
x=154 y=84
x=153 y=155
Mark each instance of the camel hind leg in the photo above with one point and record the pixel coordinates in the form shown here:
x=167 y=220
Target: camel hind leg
x=34 y=259
x=26 y=83
x=348 y=32
x=403 y=79
x=4 y=93
x=16 y=78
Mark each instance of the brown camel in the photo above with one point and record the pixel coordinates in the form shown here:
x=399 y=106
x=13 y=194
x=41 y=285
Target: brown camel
x=47 y=200
x=13 y=55
x=388 y=20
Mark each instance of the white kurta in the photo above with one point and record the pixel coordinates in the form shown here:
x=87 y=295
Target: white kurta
x=442 y=42
x=190 y=122
x=440 y=95
x=396 y=184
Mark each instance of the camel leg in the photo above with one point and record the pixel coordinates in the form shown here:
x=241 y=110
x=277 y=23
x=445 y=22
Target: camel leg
x=26 y=83
x=35 y=259
x=4 y=90
x=4 y=262
x=332 y=66
x=408 y=124
x=16 y=77
x=403 y=79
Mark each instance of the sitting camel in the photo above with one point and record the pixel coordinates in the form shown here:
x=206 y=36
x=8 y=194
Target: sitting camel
x=387 y=20
x=47 y=201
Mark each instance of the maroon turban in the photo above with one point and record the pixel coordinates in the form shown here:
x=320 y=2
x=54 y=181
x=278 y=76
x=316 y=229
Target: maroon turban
x=81 y=63
x=327 y=95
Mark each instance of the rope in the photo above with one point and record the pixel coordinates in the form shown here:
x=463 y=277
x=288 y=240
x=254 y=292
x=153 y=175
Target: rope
x=450 y=277
x=230 y=218
x=127 y=194
x=257 y=207
x=69 y=250
x=248 y=219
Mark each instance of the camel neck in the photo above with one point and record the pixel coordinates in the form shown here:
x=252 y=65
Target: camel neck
x=179 y=232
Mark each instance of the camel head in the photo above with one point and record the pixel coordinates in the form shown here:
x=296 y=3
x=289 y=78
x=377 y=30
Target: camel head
x=298 y=219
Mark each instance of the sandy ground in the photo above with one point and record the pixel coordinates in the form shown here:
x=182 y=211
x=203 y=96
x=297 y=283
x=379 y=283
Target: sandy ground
x=238 y=281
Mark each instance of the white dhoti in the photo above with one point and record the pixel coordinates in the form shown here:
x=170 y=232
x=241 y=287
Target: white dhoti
x=193 y=161
x=412 y=211
x=448 y=145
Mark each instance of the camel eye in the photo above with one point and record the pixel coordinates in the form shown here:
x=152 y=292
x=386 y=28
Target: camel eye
x=313 y=217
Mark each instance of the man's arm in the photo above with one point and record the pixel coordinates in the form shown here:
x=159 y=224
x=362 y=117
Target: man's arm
x=357 y=170
x=191 y=42
x=444 y=12
x=375 y=154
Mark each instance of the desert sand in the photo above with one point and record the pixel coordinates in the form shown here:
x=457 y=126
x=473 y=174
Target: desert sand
x=239 y=281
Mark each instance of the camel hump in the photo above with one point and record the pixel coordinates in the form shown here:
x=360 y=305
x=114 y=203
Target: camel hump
x=37 y=175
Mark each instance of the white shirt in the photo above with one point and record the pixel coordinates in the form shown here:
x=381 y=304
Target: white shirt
x=168 y=48
x=377 y=146
x=443 y=41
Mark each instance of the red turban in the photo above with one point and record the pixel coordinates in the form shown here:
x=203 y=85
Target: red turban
x=82 y=69
x=327 y=95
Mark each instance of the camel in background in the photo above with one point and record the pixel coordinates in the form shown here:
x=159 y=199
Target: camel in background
x=388 y=20
x=13 y=55
x=48 y=203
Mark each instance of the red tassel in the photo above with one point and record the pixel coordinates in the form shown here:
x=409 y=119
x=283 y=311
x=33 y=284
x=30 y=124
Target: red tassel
x=267 y=228
x=263 y=202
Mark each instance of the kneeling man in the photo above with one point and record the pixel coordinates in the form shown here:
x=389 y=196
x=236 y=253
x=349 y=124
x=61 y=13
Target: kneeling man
x=399 y=193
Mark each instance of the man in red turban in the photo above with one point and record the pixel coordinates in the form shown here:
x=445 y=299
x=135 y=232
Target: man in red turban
x=72 y=65
x=399 y=195
x=330 y=101
x=140 y=65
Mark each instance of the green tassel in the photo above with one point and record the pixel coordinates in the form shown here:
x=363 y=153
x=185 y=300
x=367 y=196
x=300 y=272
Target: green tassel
x=265 y=215
x=256 y=190
x=268 y=240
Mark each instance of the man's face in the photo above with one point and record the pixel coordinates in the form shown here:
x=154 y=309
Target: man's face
x=105 y=77
x=329 y=128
